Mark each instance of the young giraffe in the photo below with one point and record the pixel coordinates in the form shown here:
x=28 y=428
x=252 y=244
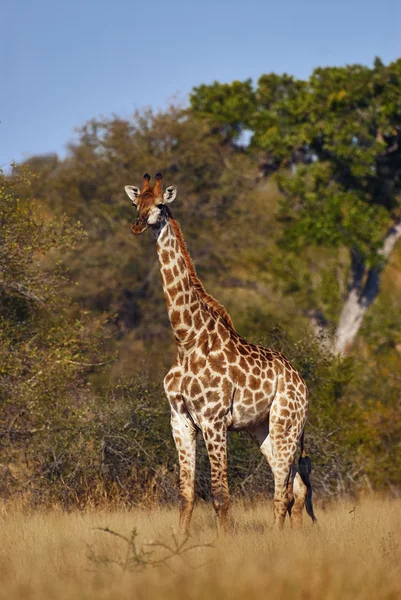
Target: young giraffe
x=219 y=381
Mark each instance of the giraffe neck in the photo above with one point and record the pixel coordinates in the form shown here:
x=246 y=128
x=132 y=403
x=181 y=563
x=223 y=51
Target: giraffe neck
x=188 y=305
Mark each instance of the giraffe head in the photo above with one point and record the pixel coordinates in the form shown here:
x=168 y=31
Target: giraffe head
x=151 y=204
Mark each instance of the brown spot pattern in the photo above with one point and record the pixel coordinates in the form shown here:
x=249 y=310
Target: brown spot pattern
x=213 y=362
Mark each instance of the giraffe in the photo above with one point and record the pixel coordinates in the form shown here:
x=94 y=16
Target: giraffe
x=220 y=382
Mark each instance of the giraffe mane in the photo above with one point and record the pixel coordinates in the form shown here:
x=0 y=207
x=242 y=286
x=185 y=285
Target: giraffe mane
x=207 y=298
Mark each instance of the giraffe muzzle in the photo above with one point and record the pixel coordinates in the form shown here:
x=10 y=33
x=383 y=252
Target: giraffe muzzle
x=139 y=226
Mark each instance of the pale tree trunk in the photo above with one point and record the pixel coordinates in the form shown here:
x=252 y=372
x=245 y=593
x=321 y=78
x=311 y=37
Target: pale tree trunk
x=362 y=290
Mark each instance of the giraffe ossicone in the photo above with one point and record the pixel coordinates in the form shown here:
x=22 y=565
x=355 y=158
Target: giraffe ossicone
x=220 y=382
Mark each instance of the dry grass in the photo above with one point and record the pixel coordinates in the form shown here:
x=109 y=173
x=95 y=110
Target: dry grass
x=348 y=555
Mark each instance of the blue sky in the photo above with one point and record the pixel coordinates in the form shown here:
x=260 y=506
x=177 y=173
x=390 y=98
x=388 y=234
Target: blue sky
x=65 y=62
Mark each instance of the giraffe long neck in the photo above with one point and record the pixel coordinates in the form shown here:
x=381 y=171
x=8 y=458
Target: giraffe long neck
x=188 y=305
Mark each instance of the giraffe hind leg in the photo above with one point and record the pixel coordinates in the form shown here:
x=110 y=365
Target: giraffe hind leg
x=297 y=500
x=287 y=491
x=262 y=435
x=291 y=499
x=290 y=491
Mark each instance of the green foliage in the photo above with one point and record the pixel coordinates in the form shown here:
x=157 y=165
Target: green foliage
x=318 y=210
x=227 y=104
x=25 y=239
x=344 y=125
x=45 y=349
x=77 y=428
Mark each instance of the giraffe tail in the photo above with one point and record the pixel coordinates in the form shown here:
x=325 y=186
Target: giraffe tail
x=304 y=469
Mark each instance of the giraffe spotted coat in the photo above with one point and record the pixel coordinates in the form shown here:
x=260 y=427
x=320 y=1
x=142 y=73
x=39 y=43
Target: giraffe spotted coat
x=220 y=382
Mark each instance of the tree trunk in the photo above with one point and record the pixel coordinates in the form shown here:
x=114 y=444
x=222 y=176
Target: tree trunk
x=359 y=296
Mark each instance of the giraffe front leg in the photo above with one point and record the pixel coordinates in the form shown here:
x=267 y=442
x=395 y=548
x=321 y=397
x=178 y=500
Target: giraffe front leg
x=184 y=434
x=215 y=436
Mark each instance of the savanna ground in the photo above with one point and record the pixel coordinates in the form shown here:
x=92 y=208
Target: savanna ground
x=353 y=552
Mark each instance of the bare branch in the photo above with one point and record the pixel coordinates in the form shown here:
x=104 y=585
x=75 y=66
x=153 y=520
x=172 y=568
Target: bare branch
x=22 y=291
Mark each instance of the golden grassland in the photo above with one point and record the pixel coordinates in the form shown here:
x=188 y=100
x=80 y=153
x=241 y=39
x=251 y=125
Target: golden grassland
x=353 y=552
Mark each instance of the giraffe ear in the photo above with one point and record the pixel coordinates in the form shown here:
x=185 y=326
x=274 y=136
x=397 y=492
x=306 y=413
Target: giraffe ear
x=132 y=192
x=170 y=194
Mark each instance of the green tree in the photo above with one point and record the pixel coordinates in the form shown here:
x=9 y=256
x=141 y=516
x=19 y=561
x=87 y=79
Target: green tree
x=336 y=140
x=46 y=346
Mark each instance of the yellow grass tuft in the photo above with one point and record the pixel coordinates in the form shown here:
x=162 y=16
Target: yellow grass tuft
x=353 y=553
